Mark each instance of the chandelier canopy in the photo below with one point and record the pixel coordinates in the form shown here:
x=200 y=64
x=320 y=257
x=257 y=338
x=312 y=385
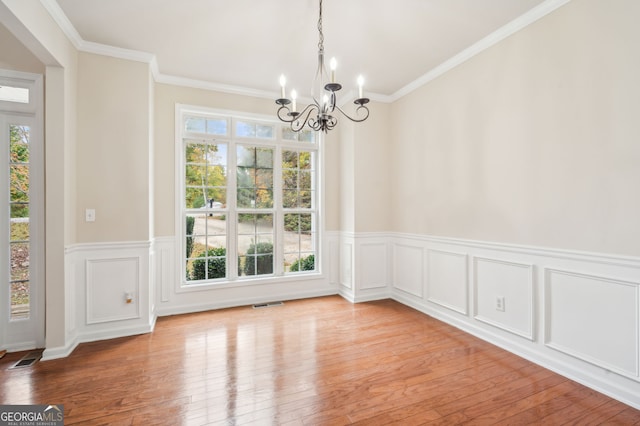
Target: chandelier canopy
x=319 y=114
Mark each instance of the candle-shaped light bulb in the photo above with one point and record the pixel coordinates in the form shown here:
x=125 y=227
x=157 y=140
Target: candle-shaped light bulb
x=360 y=84
x=283 y=82
x=333 y=64
x=294 y=96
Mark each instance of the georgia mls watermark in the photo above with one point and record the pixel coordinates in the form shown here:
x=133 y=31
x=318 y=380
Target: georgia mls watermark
x=31 y=415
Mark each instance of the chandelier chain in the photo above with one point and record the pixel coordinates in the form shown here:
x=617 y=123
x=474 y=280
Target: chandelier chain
x=321 y=37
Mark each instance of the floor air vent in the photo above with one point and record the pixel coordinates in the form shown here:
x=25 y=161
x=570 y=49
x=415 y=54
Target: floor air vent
x=267 y=305
x=28 y=360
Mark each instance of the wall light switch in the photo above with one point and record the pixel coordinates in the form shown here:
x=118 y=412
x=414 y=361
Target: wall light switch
x=90 y=215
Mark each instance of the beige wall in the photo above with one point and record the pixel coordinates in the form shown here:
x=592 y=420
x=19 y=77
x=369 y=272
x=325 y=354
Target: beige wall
x=535 y=141
x=372 y=165
x=15 y=56
x=113 y=149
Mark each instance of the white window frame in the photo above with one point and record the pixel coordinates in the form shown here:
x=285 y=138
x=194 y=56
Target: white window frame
x=231 y=210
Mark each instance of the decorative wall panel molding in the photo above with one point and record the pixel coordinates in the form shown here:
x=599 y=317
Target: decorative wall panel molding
x=408 y=269
x=504 y=295
x=101 y=278
x=372 y=261
x=346 y=264
x=112 y=289
x=594 y=318
x=333 y=258
x=447 y=281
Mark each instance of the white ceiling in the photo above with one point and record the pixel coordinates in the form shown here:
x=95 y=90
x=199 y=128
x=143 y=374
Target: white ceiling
x=248 y=43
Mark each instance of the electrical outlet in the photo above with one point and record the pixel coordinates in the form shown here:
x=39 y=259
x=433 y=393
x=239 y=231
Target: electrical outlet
x=90 y=215
x=500 y=303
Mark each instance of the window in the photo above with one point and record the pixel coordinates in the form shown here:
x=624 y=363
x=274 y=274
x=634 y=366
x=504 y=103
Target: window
x=19 y=201
x=248 y=198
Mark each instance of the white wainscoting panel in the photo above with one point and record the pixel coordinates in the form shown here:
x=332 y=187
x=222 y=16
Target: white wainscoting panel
x=102 y=274
x=408 y=268
x=594 y=318
x=373 y=265
x=447 y=281
x=346 y=264
x=513 y=284
x=108 y=282
x=333 y=257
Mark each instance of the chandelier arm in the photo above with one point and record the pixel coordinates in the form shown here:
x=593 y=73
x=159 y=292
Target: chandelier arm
x=356 y=120
x=285 y=114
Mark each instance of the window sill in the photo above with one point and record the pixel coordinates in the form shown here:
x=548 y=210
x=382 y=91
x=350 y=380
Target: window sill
x=247 y=282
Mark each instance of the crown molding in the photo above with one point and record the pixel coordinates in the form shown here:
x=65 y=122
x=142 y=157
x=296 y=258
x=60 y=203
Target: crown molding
x=216 y=87
x=63 y=22
x=507 y=30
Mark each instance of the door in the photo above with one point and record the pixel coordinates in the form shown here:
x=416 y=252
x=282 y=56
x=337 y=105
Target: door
x=21 y=215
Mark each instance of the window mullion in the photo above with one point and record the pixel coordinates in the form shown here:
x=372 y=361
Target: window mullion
x=277 y=211
x=232 y=208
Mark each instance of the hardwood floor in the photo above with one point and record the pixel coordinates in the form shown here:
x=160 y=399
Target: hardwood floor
x=318 y=361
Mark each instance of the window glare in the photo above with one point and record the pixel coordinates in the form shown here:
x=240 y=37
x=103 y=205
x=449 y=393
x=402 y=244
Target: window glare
x=14 y=94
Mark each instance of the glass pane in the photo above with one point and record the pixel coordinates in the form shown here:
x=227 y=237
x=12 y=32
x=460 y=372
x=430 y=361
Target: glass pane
x=290 y=198
x=19 y=141
x=264 y=131
x=217 y=155
x=216 y=198
x=19 y=261
x=290 y=179
x=194 y=175
x=217 y=126
x=246 y=198
x=289 y=134
x=195 y=198
x=216 y=176
x=305 y=160
x=305 y=180
x=14 y=94
x=216 y=226
x=306 y=199
x=246 y=156
x=264 y=178
x=264 y=158
x=196 y=153
x=19 y=210
x=19 y=178
x=206 y=246
x=245 y=129
x=195 y=124
x=255 y=244
x=20 y=300
x=264 y=199
x=298 y=243
x=289 y=159
x=307 y=136
x=20 y=229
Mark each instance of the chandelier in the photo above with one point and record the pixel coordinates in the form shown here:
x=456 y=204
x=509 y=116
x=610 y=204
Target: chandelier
x=320 y=114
